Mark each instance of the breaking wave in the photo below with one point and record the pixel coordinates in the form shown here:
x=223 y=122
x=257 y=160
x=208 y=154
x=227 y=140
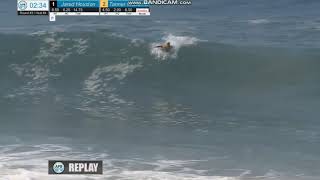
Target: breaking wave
x=29 y=162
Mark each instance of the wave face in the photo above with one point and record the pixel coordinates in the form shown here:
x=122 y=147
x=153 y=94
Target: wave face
x=218 y=105
x=104 y=64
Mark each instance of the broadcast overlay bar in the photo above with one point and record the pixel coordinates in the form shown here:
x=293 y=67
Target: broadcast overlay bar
x=53 y=8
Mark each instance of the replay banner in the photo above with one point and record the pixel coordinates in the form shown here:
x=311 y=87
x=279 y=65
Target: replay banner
x=75 y=167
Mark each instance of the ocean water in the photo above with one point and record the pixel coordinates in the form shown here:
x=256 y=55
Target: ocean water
x=237 y=99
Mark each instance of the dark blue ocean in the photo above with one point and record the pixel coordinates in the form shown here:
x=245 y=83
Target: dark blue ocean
x=238 y=98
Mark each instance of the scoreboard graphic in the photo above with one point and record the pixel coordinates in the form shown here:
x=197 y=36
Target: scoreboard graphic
x=54 y=8
x=75 y=7
x=33 y=7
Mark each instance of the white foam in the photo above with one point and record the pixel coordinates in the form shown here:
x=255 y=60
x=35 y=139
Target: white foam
x=167 y=164
x=100 y=77
x=39 y=33
x=81 y=46
x=137 y=42
x=259 y=21
x=39 y=70
x=157 y=175
x=30 y=162
x=100 y=96
x=176 y=41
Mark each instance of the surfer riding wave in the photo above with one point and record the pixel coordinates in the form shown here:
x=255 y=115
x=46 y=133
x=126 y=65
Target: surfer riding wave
x=165 y=47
